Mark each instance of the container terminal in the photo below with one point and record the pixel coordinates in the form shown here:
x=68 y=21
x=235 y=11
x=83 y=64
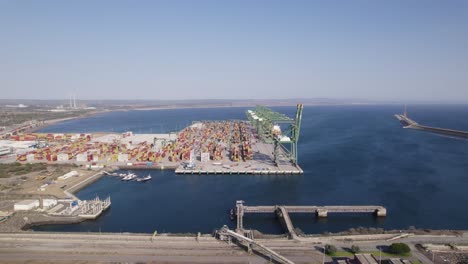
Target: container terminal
x=265 y=143
x=409 y=123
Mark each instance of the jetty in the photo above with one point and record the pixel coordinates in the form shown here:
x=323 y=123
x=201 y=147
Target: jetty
x=283 y=211
x=92 y=209
x=409 y=123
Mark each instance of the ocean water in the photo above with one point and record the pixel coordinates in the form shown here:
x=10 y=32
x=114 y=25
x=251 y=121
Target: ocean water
x=351 y=155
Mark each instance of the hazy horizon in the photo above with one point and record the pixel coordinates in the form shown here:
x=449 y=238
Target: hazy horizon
x=394 y=51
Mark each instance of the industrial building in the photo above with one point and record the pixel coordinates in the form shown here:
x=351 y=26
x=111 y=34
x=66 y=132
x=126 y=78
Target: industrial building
x=26 y=205
x=68 y=175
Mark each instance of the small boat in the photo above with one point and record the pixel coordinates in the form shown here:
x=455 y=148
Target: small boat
x=129 y=177
x=232 y=215
x=147 y=178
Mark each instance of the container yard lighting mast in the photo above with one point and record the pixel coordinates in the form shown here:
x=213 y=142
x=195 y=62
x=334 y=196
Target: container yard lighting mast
x=268 y=124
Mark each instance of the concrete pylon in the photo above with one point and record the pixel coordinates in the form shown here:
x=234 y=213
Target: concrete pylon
x=322 y=213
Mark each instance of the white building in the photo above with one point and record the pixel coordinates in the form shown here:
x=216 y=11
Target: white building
x=62 y=157
x=26 y=205
x=205 y=157
x=122 y=157
x=68 y=175
x=82 y=157
x=48 y=203
x=30 y=157
x=5 y=151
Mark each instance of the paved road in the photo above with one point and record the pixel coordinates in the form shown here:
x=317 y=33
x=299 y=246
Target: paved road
x=118 y=248
x=39 y=247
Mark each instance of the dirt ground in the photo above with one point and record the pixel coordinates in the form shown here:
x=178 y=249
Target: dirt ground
x=28 y=185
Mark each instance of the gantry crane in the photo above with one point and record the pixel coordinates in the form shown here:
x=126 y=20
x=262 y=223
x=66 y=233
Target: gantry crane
x=268 y=125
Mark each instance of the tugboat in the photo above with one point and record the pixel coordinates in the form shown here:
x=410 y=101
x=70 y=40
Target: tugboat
x=147 y=178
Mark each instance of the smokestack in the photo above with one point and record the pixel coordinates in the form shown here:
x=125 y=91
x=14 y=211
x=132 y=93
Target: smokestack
x=74 y=101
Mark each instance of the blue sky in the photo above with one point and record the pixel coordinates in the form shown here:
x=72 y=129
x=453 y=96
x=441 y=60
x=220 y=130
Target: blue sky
x=378 y=50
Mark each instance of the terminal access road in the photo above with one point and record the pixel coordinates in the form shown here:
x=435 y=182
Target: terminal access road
x=39 y=247
x=43 y=247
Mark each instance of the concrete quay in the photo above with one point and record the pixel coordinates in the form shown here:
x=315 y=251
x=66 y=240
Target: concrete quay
x=229 y=171
x=261 y=164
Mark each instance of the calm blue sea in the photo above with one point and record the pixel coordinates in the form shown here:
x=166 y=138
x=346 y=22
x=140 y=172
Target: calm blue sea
x=350 y=155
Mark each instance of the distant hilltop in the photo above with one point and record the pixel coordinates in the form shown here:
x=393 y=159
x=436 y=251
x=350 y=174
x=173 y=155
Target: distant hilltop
x=142 y=104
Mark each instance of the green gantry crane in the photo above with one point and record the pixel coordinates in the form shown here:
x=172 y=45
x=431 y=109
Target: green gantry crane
x=265 y=121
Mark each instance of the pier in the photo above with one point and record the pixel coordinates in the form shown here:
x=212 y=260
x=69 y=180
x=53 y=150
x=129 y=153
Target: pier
x=409 y=123
x=266 y=144
x=92 y=209
x=283 y=211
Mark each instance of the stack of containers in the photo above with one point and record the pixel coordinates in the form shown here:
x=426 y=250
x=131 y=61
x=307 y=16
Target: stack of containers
x=235 y=153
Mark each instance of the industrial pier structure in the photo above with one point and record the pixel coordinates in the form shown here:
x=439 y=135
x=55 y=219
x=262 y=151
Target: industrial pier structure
x=409 y=123
x=267 y=144
x=268 y=125
x=282 y=212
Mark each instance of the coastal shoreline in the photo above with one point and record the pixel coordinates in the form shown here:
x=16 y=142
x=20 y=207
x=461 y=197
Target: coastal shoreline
x=50 y=122
x=37 y=219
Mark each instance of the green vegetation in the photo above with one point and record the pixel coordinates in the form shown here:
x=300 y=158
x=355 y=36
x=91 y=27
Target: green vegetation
x=375 y=253
x=355 y=249
x=13 y=169
x=330 y=249
x=387 y=254
x=181 y=234
x=341 y=254
x=12 y=117
x=399 y=249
